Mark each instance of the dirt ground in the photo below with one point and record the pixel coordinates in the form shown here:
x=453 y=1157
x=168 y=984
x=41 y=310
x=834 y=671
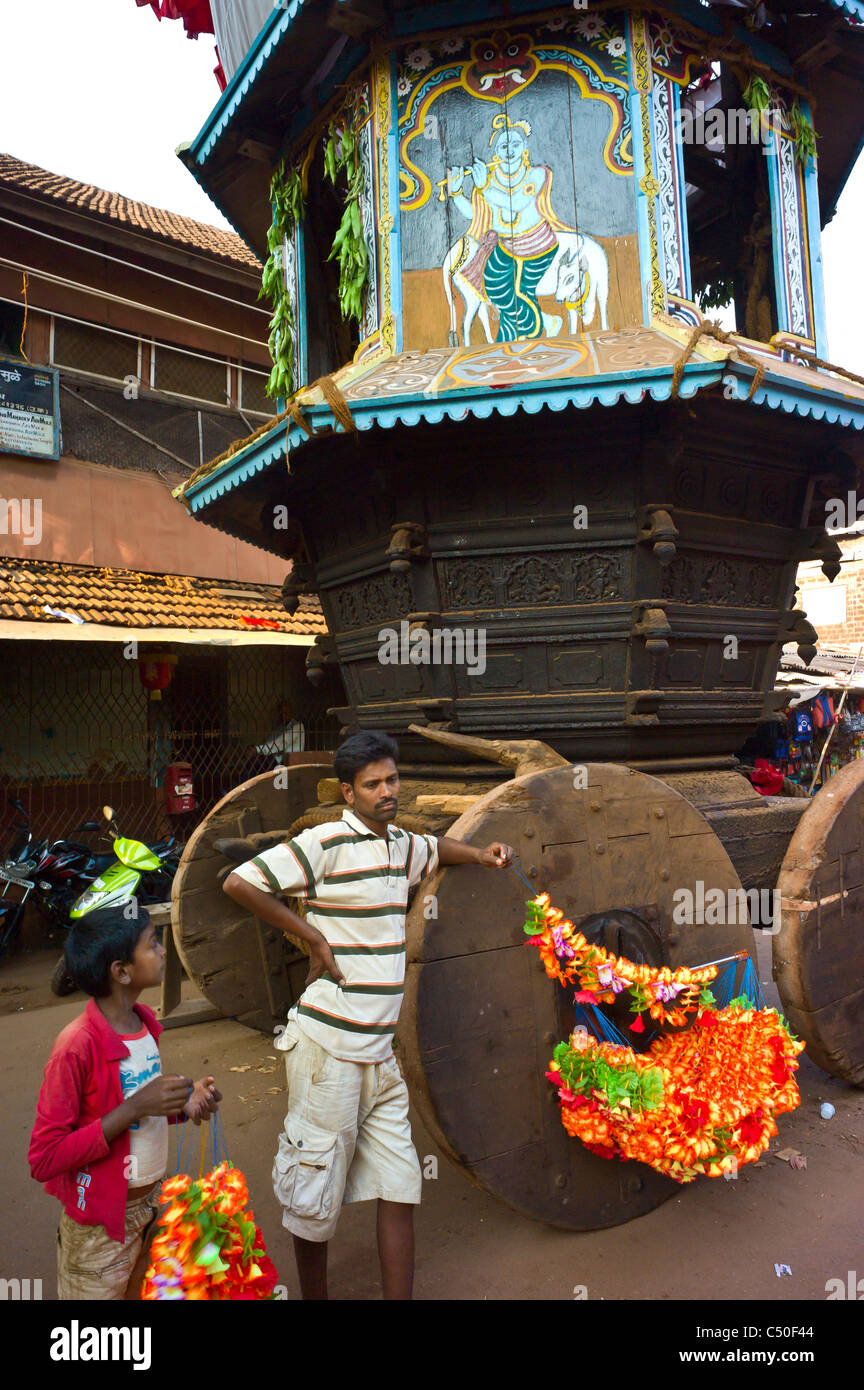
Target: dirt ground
x=716 y=1240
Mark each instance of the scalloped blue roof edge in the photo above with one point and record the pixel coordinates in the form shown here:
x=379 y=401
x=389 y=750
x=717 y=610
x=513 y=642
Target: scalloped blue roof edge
x=272 y=31
x=531 y=399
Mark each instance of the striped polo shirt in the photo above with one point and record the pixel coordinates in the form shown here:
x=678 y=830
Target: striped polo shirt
x=355 y=889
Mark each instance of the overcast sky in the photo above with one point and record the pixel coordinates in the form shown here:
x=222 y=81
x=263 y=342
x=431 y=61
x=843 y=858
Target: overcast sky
x=101 y=91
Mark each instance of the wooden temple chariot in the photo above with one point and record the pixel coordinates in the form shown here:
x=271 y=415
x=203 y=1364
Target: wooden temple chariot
x=534 y=432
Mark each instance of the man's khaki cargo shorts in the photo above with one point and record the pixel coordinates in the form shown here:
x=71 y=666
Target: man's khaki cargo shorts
x=346 y=1137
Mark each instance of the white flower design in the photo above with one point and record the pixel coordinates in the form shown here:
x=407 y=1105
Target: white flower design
x=418 y=59
x=590 y=26
x=452 y=45
x=616 y=48
x=554 y=24
x=403 y=86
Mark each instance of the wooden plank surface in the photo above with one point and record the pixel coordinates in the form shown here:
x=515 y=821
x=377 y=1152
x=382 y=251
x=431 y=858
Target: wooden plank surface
x=819 y=950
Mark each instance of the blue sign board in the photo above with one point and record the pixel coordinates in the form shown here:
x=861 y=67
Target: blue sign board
x=29 y=410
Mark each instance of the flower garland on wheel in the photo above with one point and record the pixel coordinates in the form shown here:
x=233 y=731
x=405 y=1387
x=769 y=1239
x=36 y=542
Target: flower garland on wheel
x=669 y=996
x=699 y=1102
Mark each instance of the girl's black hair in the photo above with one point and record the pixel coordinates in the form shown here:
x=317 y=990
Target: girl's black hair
x=360 y=750
x=94 y=941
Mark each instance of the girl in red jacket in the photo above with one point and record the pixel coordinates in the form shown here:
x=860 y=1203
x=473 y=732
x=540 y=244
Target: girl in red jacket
x=100 y=1141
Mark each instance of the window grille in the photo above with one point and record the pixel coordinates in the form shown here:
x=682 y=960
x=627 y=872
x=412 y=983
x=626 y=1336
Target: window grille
x=79 y=730
x=94 y=350
x=253 y=396
x=11 y=326
x=184 y=375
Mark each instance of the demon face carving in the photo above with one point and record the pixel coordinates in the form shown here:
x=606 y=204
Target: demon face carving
x=500 y=65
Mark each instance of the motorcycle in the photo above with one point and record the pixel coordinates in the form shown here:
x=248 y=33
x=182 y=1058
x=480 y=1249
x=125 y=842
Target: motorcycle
x=54 y=872
x=17 y=868
x=135 y=870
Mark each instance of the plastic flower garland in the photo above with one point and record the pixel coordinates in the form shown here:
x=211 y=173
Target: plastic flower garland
x=667 y=995
x=207 y=1245
x=701 y=1101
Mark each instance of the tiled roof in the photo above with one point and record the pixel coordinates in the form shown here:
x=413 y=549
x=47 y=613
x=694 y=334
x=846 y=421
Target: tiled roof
x=113 y=207
x=127 y=598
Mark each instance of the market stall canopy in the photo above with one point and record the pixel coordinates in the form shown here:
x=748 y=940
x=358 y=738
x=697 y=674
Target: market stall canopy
x=832 y=669
x=834 y=661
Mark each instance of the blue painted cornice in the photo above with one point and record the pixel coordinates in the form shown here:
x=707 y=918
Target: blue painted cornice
x=254 y=63
x=825 y=403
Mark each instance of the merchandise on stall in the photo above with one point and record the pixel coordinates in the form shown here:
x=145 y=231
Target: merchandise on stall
x=810 y=724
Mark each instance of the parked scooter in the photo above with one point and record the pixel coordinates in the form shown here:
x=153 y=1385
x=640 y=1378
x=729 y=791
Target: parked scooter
x=136 y=870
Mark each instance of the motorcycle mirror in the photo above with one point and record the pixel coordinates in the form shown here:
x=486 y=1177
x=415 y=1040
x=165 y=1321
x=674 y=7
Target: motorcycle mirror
x=108 y=812
x=88 y=825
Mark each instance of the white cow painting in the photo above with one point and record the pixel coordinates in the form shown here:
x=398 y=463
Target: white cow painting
x=577 y=277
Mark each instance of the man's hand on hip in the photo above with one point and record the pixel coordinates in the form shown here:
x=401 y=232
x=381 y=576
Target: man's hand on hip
x=321 y=962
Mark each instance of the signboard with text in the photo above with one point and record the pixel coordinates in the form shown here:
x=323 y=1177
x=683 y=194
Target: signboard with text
x=29 y=410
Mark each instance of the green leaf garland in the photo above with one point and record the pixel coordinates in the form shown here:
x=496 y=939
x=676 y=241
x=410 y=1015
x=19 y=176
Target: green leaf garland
x=286 y=197
x=341 y=156
x=585 y=1074
x=803 y=134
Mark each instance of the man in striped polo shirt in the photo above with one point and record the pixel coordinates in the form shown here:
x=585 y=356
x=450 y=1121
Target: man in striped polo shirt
x=347 y=1137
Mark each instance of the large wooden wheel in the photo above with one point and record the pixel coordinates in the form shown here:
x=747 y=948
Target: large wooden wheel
x=819 y=950
x=480 y=1017
x=244 y=967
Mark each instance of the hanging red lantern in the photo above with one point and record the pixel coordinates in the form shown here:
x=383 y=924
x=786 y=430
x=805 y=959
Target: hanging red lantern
x=155 y=673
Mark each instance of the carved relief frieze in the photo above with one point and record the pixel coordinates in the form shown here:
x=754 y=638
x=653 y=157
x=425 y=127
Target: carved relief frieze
x=378 y=598
x=713 y=579
x=535 y=580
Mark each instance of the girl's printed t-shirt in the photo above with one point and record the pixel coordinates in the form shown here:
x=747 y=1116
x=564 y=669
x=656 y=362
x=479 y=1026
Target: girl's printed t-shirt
x=148 y=1137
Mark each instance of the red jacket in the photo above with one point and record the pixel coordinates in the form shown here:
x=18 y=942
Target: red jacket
x=68 y=1151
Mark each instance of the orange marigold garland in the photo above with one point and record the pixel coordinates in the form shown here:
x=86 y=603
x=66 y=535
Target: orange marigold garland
x=207 y=1245
x=701 y=1101
x=667 y=995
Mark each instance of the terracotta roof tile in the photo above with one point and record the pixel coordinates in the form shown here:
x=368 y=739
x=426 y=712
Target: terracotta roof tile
x=168 y=226
x=122 y=597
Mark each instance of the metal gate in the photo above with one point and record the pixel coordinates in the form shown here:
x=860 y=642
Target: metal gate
x=78 y=729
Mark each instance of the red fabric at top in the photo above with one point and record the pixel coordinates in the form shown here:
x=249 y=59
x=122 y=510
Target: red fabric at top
x=195 y=14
